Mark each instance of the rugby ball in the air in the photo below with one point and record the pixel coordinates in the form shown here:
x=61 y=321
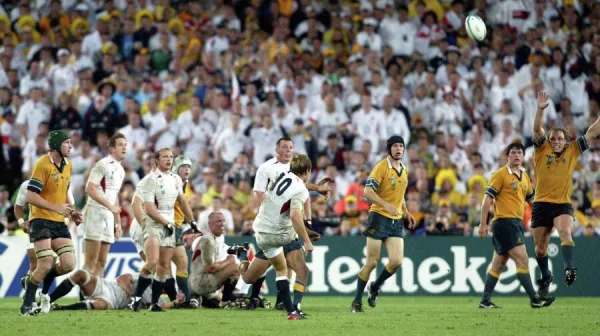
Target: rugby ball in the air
x=475 y=27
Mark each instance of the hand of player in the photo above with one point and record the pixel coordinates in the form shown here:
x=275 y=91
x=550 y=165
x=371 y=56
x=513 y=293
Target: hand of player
x=314 y=236
x=411 y=221
x=118 y=231
x=115 y=209
x=170 y=228
x=483 y=230
x=194 y=226
x=542 y=100
x=392 y=210
x=324 y=181
x=308 y=248
x=64 y=209
x=26 y=227
x=77 y=217
x=323 y=190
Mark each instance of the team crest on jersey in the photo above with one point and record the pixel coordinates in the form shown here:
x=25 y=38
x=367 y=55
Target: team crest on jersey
x=393 y=180
x=55 y=175
x=550 y=159
x=163 y=190
x=514 y=185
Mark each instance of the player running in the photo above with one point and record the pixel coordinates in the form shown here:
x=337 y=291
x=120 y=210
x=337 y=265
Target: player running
x=385 y=191
x=160 y=191
x=211 y=266
x=182 y=167
x=509 y=188
x=101 y=216
x=554 y=163
x=266 y=174
x=51 y=202
x=280 y=219
x=103 y=294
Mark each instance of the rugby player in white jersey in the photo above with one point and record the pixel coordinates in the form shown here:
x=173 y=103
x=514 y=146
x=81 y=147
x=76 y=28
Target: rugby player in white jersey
x=266 y=174
x=211 y=265
x=137 y=205
x=101 y=217
x=160 y=192
x=104 y=294
x=280 y=220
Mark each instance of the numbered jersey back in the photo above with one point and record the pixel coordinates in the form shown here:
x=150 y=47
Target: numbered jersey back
x=287 y=191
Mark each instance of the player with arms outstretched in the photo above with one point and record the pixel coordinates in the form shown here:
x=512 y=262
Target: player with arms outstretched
x=385 y=189
x=280 y=219
x=51 y=203
x=555 y=160
x=509 y=188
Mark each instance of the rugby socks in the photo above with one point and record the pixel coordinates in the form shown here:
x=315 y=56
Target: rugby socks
x=567 y=252
x=299 y=289
x=283 y=287
x=543 y=264
x=63 y=289
x=143 y=283
x=182 y=283
x=30 y=293
x=385 y=274
x=360 y=286
x=170 y=289
x=228 y=288
x=157 y=288
x=82 y=305
x=491 y=280
x=256 y=287
x=525 y=280
x=49 y=279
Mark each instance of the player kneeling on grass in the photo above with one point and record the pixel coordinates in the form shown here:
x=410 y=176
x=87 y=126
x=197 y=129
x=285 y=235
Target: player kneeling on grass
x=103 y=294
x=211 y=265
x=509 y=188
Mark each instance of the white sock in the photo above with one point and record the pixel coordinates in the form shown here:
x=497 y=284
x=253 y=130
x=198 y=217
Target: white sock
x=241 y=286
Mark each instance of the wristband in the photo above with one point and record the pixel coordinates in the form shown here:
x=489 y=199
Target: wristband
x=21 y=221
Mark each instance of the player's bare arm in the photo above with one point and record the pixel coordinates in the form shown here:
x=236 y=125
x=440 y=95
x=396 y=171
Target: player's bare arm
x=35 y=199
x=485 y=209
x=185 y=207
x=125 y=281
x=20 y=215
x=372 y=197
x=314 y=236
x=92 y=190
x=152 y=212
x=207 y=255
x=408 y=217
x=118 y=228
x=297 y=216
x=538 y=127
x=593 y=131
x=321 y=186
x=138 y=209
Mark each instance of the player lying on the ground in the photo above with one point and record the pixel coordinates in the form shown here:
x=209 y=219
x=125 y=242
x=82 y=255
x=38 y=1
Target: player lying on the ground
x=103 y=294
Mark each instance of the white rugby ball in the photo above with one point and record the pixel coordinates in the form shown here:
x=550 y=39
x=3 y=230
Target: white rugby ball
x=475 y=27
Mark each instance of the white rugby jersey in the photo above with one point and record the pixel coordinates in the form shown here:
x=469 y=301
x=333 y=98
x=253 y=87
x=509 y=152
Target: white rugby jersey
x=268 y=172
x=108 y=173
x=162 y=188
x=22 y=195
x=205 y=252
x=286 y=192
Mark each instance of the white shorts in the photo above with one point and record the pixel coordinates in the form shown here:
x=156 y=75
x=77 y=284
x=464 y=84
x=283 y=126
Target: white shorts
x=204 y=284
x=152 y=229
x=137 y=236
x=272 y=243
x=98 y=224
x=110 y=292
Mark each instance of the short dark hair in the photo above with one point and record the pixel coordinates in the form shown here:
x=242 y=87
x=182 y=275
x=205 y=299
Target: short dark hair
x=112 y=141
x=283 y=139
x=515 y=145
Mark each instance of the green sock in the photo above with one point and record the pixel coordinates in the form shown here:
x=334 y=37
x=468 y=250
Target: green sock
x=491 y=280
x=384 y=275
x=543 y=264
x=525 y=280
x=567 y=252
x=360 y=289
x=299 y=289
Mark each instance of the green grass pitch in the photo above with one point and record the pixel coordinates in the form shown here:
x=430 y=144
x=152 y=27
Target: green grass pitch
x=328 y=316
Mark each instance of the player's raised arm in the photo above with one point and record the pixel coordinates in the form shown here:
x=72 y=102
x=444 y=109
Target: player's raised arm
x=593 y=132
x=538 y=129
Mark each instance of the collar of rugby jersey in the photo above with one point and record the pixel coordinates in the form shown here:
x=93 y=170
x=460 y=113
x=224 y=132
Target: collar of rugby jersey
x=399 y=172
x=52 y=160
x=521 y=169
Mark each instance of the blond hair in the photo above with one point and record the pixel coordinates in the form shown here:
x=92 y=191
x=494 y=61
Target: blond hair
x=300 y=164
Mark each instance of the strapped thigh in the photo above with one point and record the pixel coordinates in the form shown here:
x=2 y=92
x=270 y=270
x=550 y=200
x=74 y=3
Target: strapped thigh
x=44 y=253
x=68 y=248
